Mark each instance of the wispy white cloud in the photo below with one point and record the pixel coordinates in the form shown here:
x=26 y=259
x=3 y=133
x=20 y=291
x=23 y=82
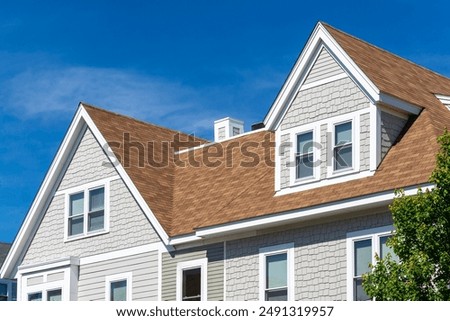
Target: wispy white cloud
x=52 y=90
x=49 y=91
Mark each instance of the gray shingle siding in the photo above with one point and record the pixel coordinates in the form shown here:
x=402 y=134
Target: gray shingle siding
x=129 y=227
x=364 y=142
x=391 y=126
x=319 y=103
x=86 y=164
x=320 y=258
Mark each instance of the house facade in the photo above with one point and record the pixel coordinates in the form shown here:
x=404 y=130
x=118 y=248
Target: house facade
x=293 y=210
x=8 y=288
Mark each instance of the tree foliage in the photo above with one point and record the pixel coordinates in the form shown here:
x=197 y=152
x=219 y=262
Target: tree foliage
x=421 y=242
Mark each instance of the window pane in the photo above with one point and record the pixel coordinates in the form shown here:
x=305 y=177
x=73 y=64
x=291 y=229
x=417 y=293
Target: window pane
x=3 y=292
x=96 y=221
x=384 y=250
x=14 y=292
x=236 y=131
x=54 y=295
x=35 y=296
x=343 y=133
x=276 y=295
x=3 y=289
x=358 y=291
x=343 y=157
x=363 y=256
x=76 y=204
x=192 y=285
x=96 y=199
x=76 y=225
x=276 y=271
x=304 y=143
x=305 y=166
x=119 y=291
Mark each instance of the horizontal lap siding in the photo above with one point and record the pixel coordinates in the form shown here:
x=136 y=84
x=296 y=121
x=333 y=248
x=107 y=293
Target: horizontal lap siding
x=324 y=67
x=144 y=268
x=214 y=253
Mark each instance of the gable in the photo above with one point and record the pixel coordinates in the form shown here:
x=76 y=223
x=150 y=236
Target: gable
x=128 y=225
x=314 y=104
x=89 y=163
x=324 y=67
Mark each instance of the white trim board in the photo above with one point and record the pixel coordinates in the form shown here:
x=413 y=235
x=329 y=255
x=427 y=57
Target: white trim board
x=319 y=38
x=80 y=122
x=358 y=203
x=123 y=253
x=287 y=248
x=128 y=276
x=199 y=263
x=374 y=234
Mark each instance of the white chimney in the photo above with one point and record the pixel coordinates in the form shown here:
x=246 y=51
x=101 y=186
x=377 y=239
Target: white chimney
x=227 y=127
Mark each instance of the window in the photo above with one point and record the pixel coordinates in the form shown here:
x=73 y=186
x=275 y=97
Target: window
x=276 y=277
x=3 y=292
x=362 y=259
x=86 y=212
x=276 y=273
x=361 y=249
x=118 y=291
x=49 y=295
x=37 y=296
x=236 y=131
x=118 y=287
x=8 y=290
x=343 y=149
x=192 y=284
x=54 y=295
x=304 y=158
x=192 y=280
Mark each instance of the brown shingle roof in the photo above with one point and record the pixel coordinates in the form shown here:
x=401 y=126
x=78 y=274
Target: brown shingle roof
x=155 y=183
x=196 y=195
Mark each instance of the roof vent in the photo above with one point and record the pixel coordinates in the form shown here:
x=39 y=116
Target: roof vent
x=227 y=127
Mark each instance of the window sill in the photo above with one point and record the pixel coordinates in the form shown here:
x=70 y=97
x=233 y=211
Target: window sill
x=342 y=172
x=84 y=236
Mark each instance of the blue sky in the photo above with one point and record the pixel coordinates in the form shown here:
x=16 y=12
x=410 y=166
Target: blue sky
x=180 y=64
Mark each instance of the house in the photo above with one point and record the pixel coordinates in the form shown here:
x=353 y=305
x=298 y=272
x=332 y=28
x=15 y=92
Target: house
x=8 y=288
x=293 y=210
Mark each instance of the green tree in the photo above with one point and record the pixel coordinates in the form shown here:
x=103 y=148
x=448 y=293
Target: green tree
x=421 y=242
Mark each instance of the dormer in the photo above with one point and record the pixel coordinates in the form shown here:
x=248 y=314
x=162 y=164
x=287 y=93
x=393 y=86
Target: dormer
x=332 y=123
x=226 y=128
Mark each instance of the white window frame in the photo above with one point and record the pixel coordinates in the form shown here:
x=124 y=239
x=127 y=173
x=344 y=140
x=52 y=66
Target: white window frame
x=45 y=286
x=293 y=155
x=8 y=284
x=374 y=235
x=355 y=121
x=188 y=265
x=128 y=276
x=85 y=189
x=264 y=252
x=69 y=283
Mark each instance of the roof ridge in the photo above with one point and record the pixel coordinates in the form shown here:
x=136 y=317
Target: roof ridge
x=140 y=121
x=385 y=50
